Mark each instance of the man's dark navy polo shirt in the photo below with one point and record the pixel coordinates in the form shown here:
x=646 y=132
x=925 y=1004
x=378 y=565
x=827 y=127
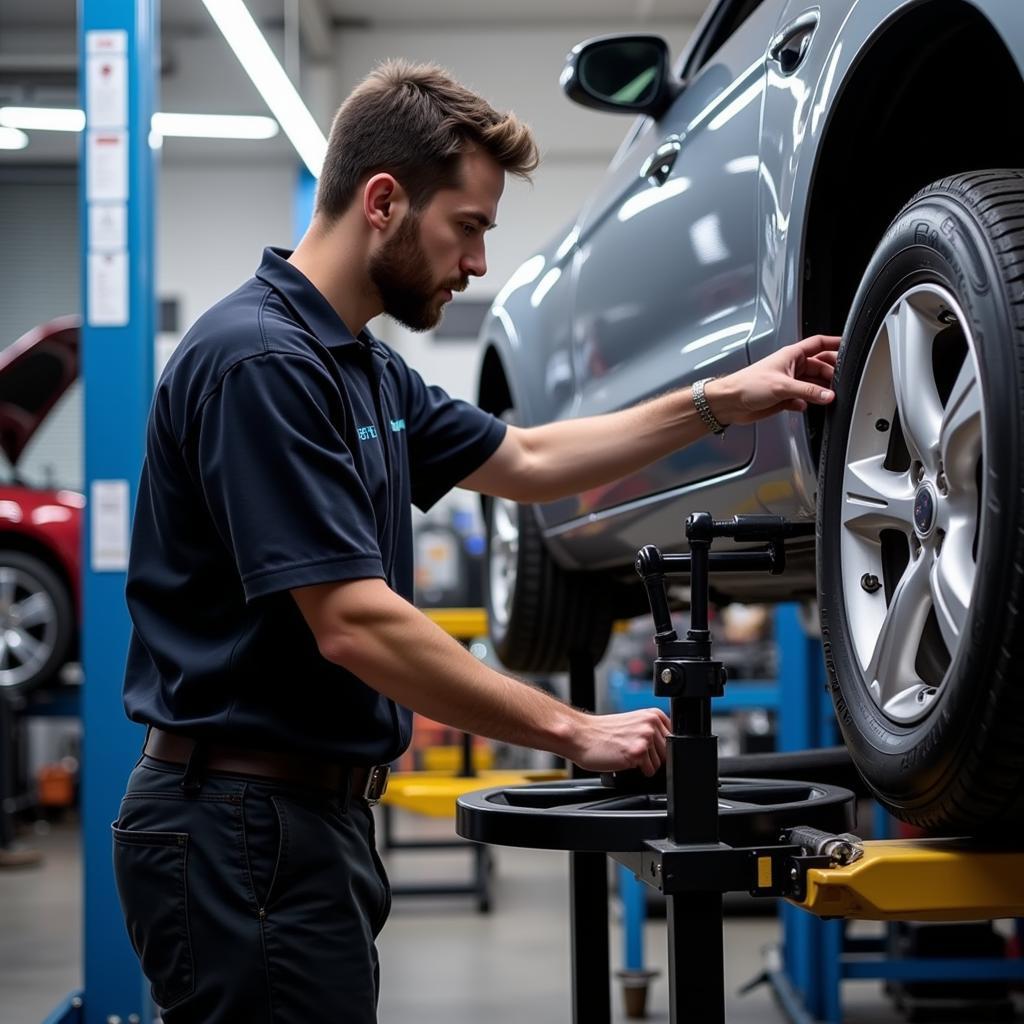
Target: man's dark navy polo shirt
x=281 y=452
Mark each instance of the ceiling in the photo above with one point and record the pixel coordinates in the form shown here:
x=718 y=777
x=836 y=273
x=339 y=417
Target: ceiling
x=38 y=62
x=190 y=14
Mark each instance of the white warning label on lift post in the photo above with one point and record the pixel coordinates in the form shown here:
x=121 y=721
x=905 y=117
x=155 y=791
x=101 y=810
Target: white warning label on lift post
x=106 y=165
x=108 y=509
x=108 y=226
x=108 y=289
x=106 y=91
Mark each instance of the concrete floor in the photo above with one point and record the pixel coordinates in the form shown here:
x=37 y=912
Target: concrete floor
x=442 y=962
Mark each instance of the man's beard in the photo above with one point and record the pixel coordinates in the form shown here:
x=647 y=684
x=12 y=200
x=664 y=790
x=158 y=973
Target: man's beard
x=400 y=272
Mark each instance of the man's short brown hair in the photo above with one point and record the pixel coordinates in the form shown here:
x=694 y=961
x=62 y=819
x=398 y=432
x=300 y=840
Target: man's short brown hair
x=414 y=121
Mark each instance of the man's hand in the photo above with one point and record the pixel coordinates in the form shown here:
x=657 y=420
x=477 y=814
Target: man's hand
x=791 y=379
x=612 y=743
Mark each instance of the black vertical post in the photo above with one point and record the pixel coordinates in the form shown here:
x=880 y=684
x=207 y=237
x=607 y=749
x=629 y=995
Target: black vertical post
x=588 y=879
x=695 y=946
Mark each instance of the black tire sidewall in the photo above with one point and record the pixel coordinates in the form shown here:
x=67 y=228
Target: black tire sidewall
x=937 y=240
x=553 y=613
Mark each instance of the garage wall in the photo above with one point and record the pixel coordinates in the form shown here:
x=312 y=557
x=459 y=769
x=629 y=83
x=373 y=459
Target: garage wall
x=213 y=222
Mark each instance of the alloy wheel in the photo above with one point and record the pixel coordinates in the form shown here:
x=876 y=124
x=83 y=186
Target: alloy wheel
x=503 y=555
x=911 y=501
x=28 y=626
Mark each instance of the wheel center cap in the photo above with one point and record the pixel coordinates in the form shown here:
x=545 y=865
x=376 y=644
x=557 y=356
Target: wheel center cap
x=924 y=510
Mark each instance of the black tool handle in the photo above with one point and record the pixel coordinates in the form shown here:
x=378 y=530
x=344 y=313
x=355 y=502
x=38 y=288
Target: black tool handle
x=650 y=567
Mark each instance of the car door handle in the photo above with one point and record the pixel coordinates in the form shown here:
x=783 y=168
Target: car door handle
x=789 y=47
x=658 y=166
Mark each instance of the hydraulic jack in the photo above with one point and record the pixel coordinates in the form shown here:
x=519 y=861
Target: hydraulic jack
x=689 y=833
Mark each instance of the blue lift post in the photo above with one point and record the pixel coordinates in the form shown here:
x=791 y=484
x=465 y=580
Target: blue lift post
x=118 y=55
x=809 y=983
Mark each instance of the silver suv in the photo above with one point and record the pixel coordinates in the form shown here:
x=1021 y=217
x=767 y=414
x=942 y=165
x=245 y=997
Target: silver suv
x=804 y=167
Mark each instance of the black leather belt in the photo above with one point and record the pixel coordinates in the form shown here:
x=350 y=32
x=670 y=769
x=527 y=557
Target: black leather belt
x=366 y=781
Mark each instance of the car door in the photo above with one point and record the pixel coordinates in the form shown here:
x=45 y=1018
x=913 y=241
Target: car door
x=665 y=266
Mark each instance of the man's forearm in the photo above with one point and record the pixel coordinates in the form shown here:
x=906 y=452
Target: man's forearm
x=570 y=456
x=395 y=649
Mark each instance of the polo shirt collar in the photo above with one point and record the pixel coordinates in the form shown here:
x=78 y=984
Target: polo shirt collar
x=306 y=301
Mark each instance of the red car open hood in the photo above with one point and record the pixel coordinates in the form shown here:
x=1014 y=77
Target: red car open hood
x=34 y=372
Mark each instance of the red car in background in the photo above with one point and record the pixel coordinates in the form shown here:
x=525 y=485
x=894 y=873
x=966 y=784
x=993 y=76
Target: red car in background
x=40 y=529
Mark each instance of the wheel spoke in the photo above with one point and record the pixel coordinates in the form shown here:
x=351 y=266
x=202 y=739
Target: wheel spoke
x=890 y=669
x=8 y=587
x=877 y=499
x=910 y=353
x=25 y=647
x=960 y=431
x=4 y=651
x=951 y=581
x=505 y=526
x=35 y=610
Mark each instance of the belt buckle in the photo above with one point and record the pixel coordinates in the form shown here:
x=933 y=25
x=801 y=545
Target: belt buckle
x=376 y=783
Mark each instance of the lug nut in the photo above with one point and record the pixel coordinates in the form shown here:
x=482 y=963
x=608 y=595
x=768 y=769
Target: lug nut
x=942 y=483
x=870 y=582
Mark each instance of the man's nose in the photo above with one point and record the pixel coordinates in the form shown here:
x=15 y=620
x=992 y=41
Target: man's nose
x=474 y=264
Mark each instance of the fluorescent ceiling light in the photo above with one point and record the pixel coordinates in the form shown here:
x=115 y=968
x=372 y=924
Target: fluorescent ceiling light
x=12 y=138
x=215 y=126
x=195 y=126
x=43 y=119
x=253 y=52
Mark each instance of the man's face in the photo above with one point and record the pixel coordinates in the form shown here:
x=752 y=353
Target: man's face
x=433 y=253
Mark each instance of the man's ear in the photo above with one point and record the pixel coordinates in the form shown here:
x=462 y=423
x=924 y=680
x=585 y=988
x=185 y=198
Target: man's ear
x=384 y=201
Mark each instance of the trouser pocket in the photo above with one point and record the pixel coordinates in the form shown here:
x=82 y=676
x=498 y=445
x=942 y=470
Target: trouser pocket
x=151 y=869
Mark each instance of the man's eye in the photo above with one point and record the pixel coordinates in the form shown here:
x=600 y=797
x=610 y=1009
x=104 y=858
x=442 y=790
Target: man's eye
x=468 y=229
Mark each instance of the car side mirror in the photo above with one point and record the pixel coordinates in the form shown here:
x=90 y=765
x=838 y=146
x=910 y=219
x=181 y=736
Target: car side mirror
x=623 y=74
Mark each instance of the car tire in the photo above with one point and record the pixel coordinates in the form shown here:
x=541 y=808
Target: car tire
x=36 y=622
x=921 y=511
x=538 y=614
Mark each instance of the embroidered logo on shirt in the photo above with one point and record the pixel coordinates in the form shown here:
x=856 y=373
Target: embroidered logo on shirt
x=366 y=433
x=397 y=425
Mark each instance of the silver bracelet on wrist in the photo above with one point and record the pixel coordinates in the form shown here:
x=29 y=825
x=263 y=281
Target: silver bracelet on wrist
x=703 y=408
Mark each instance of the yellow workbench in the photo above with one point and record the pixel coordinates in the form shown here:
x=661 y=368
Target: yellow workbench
x=920 y=880
x=434 y=793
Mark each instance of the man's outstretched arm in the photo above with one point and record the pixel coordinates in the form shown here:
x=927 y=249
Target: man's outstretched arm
x=538 y=464
x=367 y=628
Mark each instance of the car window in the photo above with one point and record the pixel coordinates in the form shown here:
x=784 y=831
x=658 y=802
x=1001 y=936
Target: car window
x=727 y=19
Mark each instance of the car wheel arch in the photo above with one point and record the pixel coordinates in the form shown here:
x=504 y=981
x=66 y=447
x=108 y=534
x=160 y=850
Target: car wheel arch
x=832 y=257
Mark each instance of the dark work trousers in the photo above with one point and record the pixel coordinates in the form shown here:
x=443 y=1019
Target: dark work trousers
x=248 y=901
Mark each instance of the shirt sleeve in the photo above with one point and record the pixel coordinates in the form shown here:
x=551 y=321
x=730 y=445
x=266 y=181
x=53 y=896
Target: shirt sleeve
x=280 y=482
x=448 y=439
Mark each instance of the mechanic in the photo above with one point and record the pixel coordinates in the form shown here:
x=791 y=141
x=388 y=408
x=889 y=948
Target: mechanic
x=275 y=654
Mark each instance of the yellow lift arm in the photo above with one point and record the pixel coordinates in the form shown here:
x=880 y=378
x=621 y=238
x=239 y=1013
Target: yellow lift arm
x=920 y=880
